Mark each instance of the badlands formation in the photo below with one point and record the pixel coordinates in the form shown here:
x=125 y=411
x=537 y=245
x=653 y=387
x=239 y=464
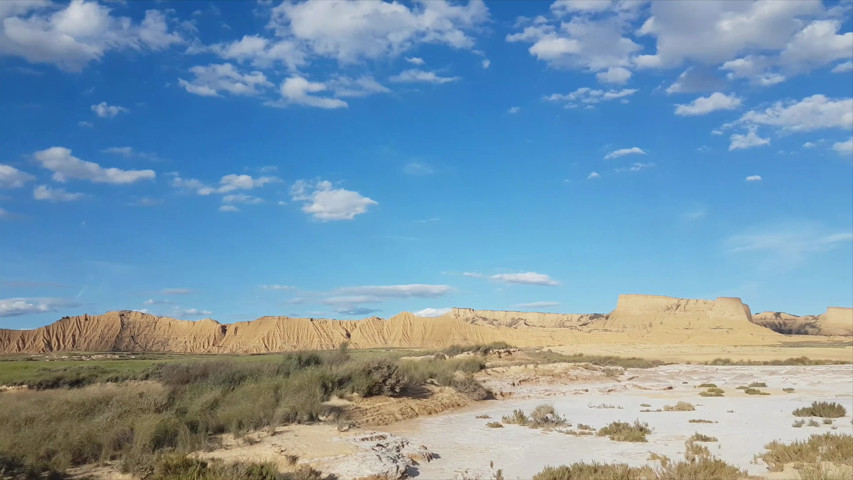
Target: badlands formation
x=637 y=319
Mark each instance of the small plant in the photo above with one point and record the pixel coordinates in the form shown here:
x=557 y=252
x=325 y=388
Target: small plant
x=545 y=416
x=827 y=421
x=813 y=423
x=482 y=417
x=495 y=425
x=828 y=447
x=758 y=385
x=712 y=392
x=518 y=417
x=645 y=405
x=821 y=409
x=798 y=423
x=788 y=390
x=604 y=405
x=698 y=437
x=742 y=387
x=754 y=391
x=700 y=420
x=583 y=426
x=626 y=432
x=694 y=451
x=679 y=407
x=708 y=385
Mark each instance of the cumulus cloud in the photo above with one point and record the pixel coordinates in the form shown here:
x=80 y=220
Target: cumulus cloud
x=77 y=33
x=351 y=32
x=228 y=208
x=300 y=91
x=214 y=79
x=705 y=105
x=586 y=96
x=753 y=178
x=748 y=140
x=13 y=307
x=810 y=113
x=228 y=183
x=432 y=312
x=11 y=177
x=414 y=75
x=260 y=52
x=843 y=67
x=844 y=148
x=66 y=166
x=363 y=86
x=593 y=176
x=415 y=60
x=105 y=110
x=624 y=151
x=43 y=192
x=572 y=38
x=324 y=203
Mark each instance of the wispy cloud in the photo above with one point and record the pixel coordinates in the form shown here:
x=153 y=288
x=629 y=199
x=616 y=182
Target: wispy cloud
x=537 y=305
x=432 y=312
x=523 y=278
x=624 y=151
x=788 y=245
x=13 y=307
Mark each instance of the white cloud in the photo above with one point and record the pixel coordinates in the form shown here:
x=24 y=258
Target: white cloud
x=809 y=145
x=228 y=208
x=588 y=96
x=757 y=69
x=325 y=203
x=415 y=60
x=416 y=290
x=85 y=124
x=241 y=198
x=593 y=175
x=228 y=183
x=355 y=87
x=705 y=105
x=843 y=67
x=581 y=42
x=414 y=75
x=513 y=110
x=753 y=178
x=260 y=52
x=844 y=148
x=624 y=151
x=11 y=177
x=537 y=305
x=636 y=167
x=43 y=192
x=191 y=312
x=617 y=75
x=696 y=79
x=486 y=63
x=104 y=110
x=277 y=287
x=751 y=139
x=432 y=312
x=12 y=307
x=523 y=278
x=816 y=45
x=65 y=166
x=213 y=79
x=810 y=113
x=77 y=33
x=123 y=151
x=354 y=31
x=298 y=91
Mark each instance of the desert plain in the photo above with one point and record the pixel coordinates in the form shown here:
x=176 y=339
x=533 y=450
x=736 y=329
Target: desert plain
x=659 y=388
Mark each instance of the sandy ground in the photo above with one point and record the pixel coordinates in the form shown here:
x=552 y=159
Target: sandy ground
x=743 y=423
x=815 y=348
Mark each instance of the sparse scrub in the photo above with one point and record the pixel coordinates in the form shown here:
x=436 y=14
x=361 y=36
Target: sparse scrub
x=547 y=356
x=788 y=390
x=798 y=423
x=754 y=391
x=821 y=409
x=694 y=451
x=700 y=420
x=679 y=407
x=828 y=447
x=786 y=362
x=827 y=421
x=542 y=416
x=625 y=432
x=702 y=469
x=758 y=385
x=480 y=349
x=698 y=437
x=707 y=385
x=712 y=392
x=178 y=467
x=517 y=417
x=813 y=423
x=495 y=425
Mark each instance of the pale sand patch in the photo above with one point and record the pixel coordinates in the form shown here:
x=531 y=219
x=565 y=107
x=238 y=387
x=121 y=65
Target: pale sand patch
x=744 y=423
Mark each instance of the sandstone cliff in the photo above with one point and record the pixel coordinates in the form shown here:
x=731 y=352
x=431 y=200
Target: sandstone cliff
x=637 y=318
x=835 y=321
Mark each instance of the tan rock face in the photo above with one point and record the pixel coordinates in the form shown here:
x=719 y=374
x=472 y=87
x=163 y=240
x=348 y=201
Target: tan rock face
x=836 y=321
x=637 y=318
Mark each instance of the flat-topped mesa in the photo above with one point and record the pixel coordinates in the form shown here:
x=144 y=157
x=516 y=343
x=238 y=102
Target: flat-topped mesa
x=836 y=321
x=524 y=319
x=647 y=314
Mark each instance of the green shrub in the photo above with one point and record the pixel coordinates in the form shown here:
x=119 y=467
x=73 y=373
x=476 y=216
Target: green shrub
x=821 y=409
x=698 y=437
x=708 y=385
x=625 y=432
x=754 y=391
x=712 y=392
x=518 y=417
x=495 y=425
x=758 y=385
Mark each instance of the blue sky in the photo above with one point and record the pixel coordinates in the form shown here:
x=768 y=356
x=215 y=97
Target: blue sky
x=348 y=159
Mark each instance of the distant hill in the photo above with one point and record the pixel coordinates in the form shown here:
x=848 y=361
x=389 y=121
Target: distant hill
x=637 y=318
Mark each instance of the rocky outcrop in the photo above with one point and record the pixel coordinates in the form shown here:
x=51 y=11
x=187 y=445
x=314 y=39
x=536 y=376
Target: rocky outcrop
x=835 y=321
